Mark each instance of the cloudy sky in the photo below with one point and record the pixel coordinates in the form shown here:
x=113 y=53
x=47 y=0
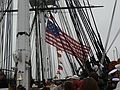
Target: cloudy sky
x=103 y=16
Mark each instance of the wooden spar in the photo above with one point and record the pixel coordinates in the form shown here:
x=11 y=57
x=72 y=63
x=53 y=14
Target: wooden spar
x=54 y=8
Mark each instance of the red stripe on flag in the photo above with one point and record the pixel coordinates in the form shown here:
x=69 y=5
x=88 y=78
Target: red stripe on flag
x=53 y=41
x=62 y=41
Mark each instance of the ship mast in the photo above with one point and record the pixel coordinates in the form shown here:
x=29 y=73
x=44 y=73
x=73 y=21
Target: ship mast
x=22 y=55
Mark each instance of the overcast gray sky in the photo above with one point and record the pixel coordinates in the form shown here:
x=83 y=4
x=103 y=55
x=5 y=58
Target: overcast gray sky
x=103 y=16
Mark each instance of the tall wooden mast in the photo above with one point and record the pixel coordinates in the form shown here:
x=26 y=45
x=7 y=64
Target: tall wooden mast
x=22 y=55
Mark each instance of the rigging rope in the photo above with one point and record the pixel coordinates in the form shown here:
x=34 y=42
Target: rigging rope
x=97 y=46
x=109 y=31
x=9 y=3
x=79 y=28
x=118 y=32
x=64 y=23
x=100 y=41
x=6 y=40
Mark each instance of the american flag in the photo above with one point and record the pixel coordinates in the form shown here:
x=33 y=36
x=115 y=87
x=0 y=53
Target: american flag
x=56 y=37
